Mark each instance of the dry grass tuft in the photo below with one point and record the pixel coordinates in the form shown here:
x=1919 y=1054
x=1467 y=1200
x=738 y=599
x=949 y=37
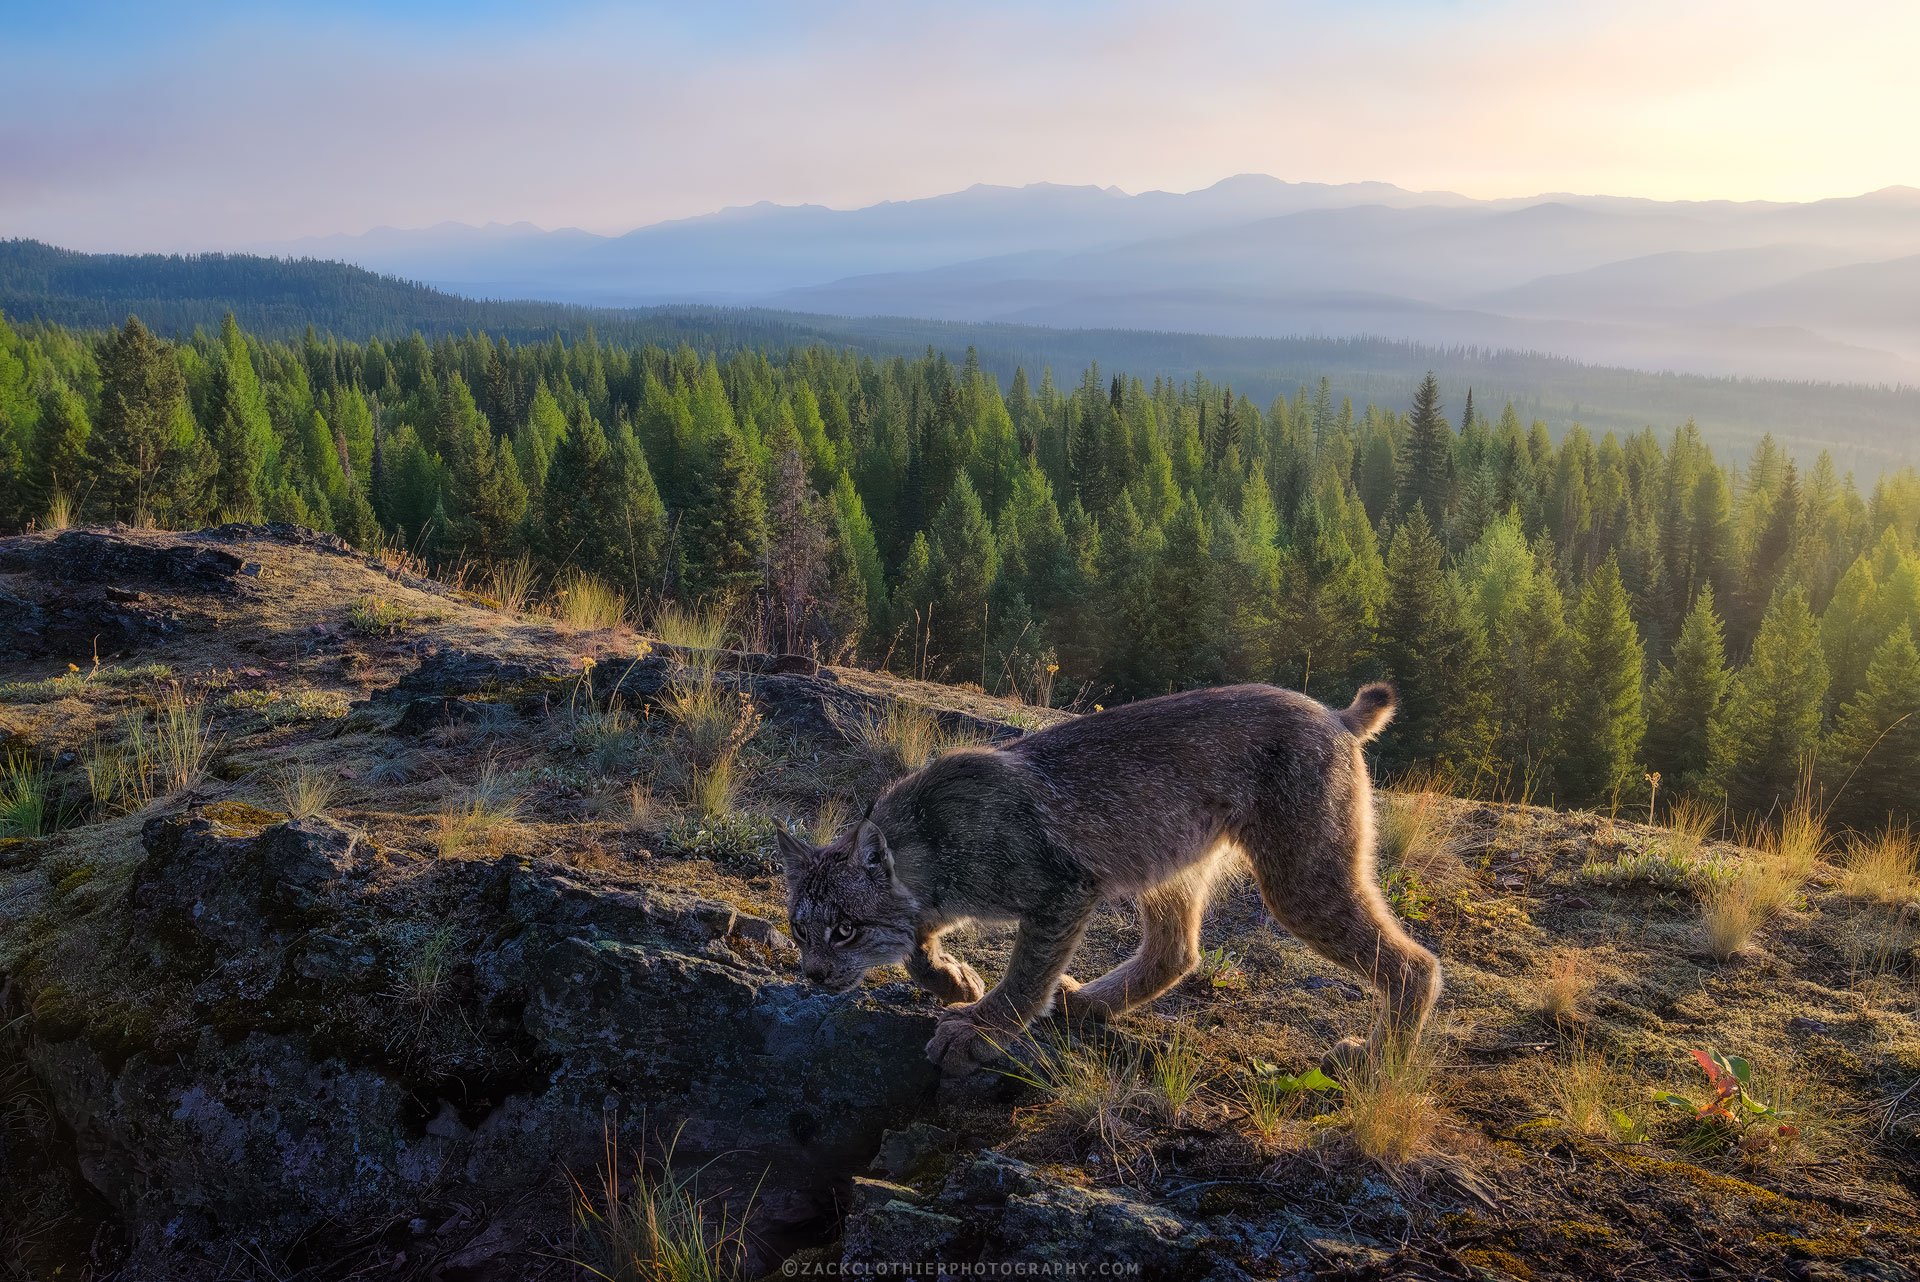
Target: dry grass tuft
x=305 y=791
x=1883 y=867
x=641 y=807
x=376 y=616
x=703 y=632
x=589 y=604
x=1099 y=1084
x=511 y=583
x=1392 y=1104
x=712 y=723
x=1780 y=860
x=25 y=804
x=900 y=737
x=1175 y=1072
x=155 y=754
x=1415 y=829
x=424 y=976
x=655 y=1228
x=1730 y=914
x=476 y=814
x=1564 y=986
x=1587 y=1090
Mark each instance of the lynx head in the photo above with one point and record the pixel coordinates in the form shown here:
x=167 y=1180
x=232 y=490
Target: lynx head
x=848 y=911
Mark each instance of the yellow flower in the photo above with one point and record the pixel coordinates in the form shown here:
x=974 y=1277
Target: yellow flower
x=1052 y=668
x=1099 y=707
x=73 y=667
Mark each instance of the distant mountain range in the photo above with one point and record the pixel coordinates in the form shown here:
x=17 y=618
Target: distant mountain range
x=1825 y=290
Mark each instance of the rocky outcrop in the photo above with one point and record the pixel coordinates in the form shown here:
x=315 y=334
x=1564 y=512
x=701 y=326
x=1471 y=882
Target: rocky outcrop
x=573 y=1013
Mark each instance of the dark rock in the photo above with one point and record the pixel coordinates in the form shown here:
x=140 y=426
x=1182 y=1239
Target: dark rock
x=279 y=532
x=885 y=1223
x=451 y=671
x=432 y=715
x=997 y=1209
x=905 y=1153
x=631 y=1014
x=98 y=557
x=216 y=874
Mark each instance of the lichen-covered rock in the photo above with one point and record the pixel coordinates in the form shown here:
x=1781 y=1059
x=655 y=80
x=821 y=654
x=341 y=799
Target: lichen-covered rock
x=214 y=874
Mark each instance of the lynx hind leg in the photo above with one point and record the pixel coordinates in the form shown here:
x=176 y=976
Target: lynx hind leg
x=1317 y=879
x=1170 y=917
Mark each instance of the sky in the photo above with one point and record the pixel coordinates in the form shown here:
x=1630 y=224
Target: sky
x=232 y=126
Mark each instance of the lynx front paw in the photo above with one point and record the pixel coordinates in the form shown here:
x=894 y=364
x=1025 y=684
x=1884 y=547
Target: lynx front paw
x=959 y=1046
x=954 y=982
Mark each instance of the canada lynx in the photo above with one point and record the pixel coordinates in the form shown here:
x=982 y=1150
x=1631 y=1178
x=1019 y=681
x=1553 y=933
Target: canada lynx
x=1143 y=802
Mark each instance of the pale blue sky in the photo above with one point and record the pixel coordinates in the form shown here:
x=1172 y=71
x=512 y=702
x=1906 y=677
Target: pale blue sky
x=228 y=125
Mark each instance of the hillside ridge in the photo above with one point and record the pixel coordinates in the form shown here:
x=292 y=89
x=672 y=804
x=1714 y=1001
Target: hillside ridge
x=433 y=918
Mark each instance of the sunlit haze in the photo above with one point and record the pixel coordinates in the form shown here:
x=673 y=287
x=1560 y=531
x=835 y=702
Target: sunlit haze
x=229 y=126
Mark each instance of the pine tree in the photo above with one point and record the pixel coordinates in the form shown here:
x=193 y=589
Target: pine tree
x=1605 y=716
x=1184 y=624
x=1873 y=756
x=1771 y=724
x=1687 y=700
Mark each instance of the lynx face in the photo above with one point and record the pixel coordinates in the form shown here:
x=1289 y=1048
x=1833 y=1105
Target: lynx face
x=848 y=912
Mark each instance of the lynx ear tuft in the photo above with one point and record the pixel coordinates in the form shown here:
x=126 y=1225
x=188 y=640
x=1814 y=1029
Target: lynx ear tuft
x=870 y=848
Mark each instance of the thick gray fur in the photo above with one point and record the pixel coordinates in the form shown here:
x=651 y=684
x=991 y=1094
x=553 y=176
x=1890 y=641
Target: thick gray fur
x=1146 y=802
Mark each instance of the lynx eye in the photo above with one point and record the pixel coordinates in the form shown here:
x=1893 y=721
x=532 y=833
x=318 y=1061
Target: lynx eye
x=842 y=934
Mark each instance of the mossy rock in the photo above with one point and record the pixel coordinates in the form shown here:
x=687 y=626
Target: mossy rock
x=238 y=819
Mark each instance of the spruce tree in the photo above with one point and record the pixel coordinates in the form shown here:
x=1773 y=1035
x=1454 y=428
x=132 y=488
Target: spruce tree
x=724 y=530
x=152 y=462
x=1771 y=723
x=1433 y=651
x=1426 y=465
x=1184 y=623
x=1606 y=719
x=1872 y=760
x=962 y=566
x=58 y=464
x=485 y=498
x=1686 y=701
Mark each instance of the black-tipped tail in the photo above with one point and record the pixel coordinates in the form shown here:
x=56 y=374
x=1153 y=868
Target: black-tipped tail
x=1370 y=710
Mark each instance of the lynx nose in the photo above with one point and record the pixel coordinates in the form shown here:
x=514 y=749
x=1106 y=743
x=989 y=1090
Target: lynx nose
x=815 y=974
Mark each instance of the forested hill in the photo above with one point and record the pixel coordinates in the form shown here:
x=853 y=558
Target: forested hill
x=1866 y=430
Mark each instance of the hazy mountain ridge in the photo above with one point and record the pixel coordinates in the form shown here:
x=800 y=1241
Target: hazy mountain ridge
x=1867 y=428
x=1760 y=288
